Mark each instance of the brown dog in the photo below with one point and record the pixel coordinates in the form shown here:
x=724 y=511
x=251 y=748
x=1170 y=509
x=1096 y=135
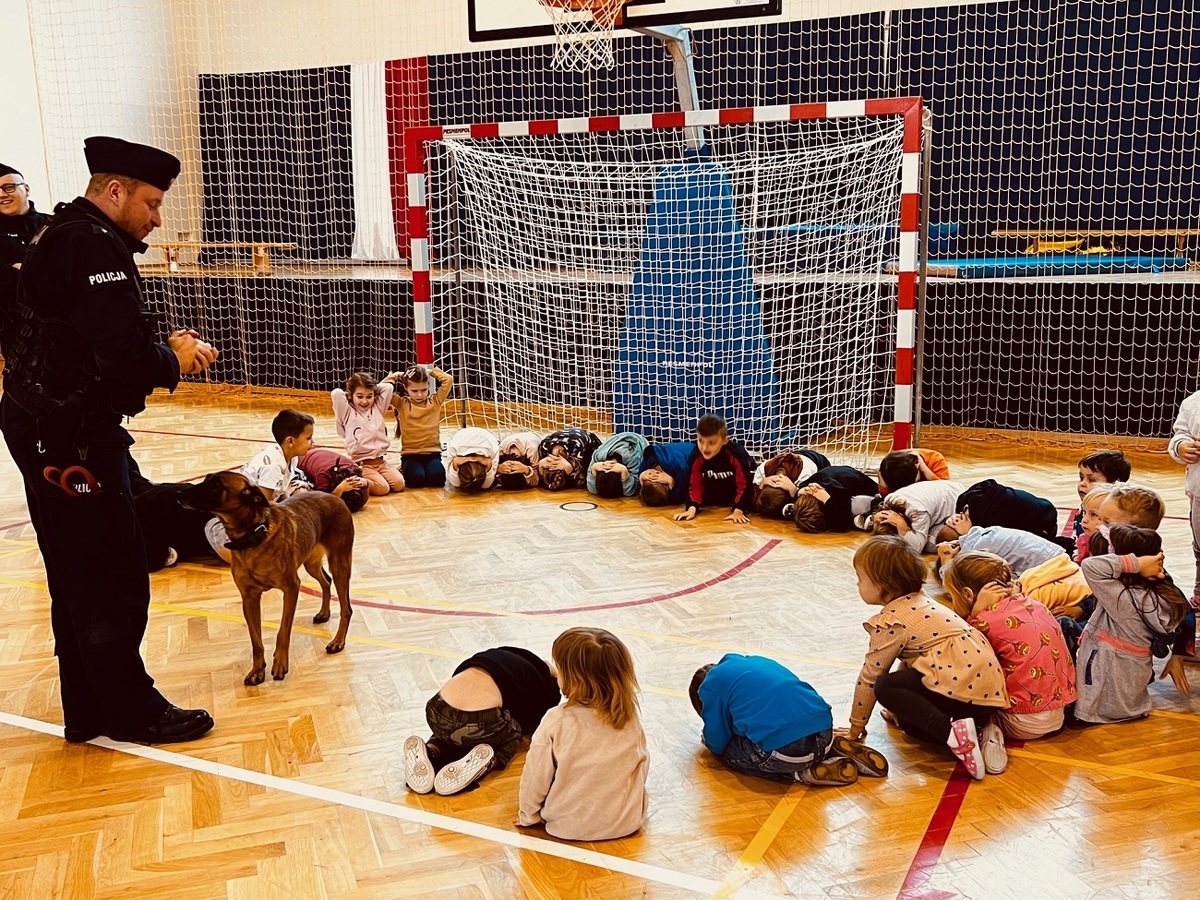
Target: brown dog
x=270 y=541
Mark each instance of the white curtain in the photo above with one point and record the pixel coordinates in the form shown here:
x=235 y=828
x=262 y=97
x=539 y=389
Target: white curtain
x=374 y=225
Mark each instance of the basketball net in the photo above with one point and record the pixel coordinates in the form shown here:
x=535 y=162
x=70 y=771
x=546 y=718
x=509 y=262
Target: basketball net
x=583 y=30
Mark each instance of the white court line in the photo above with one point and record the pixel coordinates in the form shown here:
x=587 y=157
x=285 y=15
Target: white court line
x=393 y=810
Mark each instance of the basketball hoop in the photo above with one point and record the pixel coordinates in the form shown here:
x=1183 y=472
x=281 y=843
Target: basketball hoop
x=583 y=30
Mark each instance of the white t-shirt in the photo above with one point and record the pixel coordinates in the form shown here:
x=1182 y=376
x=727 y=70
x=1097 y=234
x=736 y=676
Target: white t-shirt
x=268 y=469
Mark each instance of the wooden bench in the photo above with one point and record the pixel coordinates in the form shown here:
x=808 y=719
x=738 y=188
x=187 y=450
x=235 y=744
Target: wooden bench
x=1040 y=235
x=260 y=252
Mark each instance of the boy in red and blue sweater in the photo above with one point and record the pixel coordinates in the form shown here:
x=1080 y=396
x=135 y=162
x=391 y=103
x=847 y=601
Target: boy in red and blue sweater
x=720 y=473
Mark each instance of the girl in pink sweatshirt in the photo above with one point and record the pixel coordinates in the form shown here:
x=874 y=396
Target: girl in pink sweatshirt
x=358 y=411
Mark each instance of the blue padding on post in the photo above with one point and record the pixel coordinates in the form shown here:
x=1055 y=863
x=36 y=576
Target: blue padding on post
x=693 y=340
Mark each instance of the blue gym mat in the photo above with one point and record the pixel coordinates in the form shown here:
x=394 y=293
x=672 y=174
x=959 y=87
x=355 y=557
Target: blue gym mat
x=1055 y=264
x=693 y=340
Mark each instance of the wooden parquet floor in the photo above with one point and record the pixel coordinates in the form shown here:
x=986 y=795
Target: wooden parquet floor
x=299 y=791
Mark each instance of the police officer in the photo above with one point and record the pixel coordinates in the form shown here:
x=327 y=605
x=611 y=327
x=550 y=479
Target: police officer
x=80 y=357
x=19 y=222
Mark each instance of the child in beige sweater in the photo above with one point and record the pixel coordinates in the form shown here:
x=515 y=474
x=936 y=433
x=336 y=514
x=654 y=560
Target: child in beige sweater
x=585 y=773
x=419 y=414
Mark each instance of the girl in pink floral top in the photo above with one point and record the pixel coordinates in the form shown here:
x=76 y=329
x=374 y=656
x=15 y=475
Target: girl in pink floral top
x=1038 y=673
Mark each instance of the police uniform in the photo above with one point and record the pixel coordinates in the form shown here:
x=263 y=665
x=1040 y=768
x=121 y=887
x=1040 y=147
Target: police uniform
x=15 y=234
x=62 y=421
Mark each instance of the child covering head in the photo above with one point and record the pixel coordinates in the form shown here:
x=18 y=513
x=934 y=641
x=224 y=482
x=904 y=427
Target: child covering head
x=917 y=511
x=518 y=466
x=470 y=459
x=951 y=682
x=615 y=466
x=564 y=457
x=777 y=480
x=478 y=719
x=585 y=773
x=720 y=473
x=762 y=720
x=991 y=503
x=901 y=468
x=664 y=477
x=337 y=474
x=1136 y=604
x=358 y=413
x=1019 y=548
x=831 y=498
x=420 y=424
x=1099 y=467
x=1038 y=673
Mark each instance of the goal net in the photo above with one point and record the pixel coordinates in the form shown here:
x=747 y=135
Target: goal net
x=636 y=278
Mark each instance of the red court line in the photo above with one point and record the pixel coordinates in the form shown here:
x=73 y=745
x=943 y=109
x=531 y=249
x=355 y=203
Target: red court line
x=930 y=849
x=693 y=589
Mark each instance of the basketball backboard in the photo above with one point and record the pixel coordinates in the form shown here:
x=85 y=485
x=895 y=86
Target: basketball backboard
x=504 y=20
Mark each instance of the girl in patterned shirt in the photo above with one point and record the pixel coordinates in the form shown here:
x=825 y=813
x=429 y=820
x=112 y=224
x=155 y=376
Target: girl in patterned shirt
x=949 y=682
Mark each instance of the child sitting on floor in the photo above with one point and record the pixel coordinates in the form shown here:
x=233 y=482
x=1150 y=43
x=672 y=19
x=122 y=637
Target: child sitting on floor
x=776 y=480
x=1136 y=605
x=831 y=498
x=585 y=773
x=1038 y=673
x=762 y=720
x=616 y=465
x=358 y=414
x=951 y=682
x=900 y=468
x=420 y=424
x=664 y=476
x=916 y=512
x=720 y=473
x=478 y=719
x=337 y=474
x=517 y=469
x=470 y=459
x=564 y=457
x=1019 y=548
x=1100 y=467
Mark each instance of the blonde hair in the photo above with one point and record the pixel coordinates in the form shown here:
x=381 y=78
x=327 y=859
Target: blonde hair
x=1141 y=504
x=970 y=572
x=596 y=670
x=1099 y=492
x=891 y=565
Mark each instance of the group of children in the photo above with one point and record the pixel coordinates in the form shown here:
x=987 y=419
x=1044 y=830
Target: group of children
x=1031 y=627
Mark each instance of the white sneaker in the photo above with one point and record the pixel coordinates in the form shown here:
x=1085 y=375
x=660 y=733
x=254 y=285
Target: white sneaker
x=995 y=757
x=964 y=743
x=862 y=522
x=418 y=770
x=460 y=775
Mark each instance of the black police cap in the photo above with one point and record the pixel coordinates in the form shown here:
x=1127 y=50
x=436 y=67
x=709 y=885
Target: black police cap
x=114 y=156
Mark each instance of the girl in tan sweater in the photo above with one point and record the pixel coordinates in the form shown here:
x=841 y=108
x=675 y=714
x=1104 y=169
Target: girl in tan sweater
x=419 y=414
x=585 y=774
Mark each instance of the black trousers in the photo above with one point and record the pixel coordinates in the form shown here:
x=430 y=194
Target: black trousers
x=96 y=571
x=922 y=713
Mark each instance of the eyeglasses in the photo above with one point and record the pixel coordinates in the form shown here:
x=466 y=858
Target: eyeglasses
x=10 y=188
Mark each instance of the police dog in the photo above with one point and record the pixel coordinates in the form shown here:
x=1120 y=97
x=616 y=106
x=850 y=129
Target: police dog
x=269 y=542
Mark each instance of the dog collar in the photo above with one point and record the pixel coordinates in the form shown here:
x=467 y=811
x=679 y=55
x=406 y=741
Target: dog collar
x=252 y=538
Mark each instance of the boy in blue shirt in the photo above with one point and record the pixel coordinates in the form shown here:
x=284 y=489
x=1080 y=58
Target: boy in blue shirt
x=762 y=720
x=663 y=478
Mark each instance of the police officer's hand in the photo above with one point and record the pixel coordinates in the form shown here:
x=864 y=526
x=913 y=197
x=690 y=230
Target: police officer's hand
x=194 y=355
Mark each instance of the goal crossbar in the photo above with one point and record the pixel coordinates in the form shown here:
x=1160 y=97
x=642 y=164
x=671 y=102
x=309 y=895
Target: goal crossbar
x=906 y=267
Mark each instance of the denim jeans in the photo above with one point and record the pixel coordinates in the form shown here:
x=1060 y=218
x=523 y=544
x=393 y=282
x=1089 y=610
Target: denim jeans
x=423 y=470
x=745 y=756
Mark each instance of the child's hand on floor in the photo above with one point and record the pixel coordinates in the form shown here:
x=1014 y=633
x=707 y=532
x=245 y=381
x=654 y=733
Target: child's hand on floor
x=737 y=517
x=1175 y=670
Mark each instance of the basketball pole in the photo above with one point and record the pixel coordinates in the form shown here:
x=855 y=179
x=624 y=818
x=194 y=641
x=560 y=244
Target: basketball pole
x=678 y=41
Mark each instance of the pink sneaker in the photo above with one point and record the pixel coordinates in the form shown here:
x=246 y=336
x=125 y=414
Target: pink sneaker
x=964 y=743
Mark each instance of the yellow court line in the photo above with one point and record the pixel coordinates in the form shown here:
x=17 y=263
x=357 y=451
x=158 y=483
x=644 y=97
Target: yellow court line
x=1104 y=767
x=758 y=846
x=22 y=552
